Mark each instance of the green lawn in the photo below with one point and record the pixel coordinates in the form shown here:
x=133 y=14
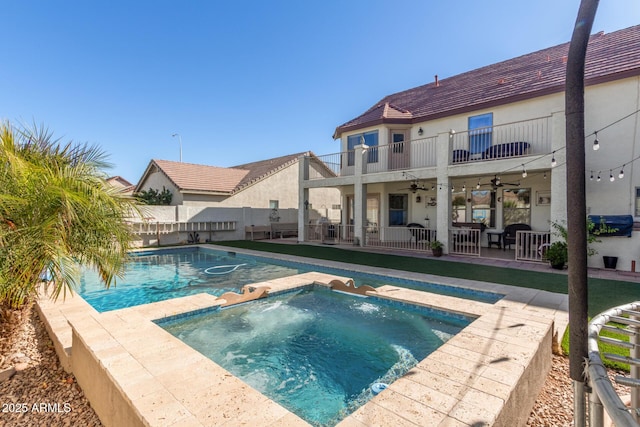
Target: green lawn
x=603 y=294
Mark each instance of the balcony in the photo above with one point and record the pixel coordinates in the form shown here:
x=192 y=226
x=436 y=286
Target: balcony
x=418 y=153
x=525 y=138
x=531 y=137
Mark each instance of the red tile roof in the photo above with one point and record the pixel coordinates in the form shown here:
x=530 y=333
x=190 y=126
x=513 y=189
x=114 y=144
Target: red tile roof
x=609 y=57
x=189 y=177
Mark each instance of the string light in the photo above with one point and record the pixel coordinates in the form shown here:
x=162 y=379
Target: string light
x=553 y=159
x=524 y=171
x=596 y=143
x=621 y=174
x=478 y=185
x=598 y=178
x=464 y=187
x=611 y=178
x=591 y=177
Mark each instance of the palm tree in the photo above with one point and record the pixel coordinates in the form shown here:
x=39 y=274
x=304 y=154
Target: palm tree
x=56 y=214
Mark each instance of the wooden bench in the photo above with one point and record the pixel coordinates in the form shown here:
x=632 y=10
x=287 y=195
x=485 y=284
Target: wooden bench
x=263 y=229
x=284 y=228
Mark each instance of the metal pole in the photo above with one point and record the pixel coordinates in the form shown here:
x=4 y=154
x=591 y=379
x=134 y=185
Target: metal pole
x=180 y=142
x=576 y=194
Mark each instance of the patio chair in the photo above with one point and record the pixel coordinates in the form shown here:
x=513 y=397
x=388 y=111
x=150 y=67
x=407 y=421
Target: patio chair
x=418 y=232
x=509 y=234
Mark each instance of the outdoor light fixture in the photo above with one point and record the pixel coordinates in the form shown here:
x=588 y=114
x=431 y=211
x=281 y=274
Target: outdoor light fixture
x=420 y=131
x=596 y=143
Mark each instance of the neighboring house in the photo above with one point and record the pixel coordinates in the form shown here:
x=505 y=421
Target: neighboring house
x=271 y=184
x=122 y=184
x=488 y=147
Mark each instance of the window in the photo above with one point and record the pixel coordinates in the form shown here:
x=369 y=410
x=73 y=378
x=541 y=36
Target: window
x=459 y=207
x=398 y=209
x=273 y=204
x=367 y=138
x=483 y=207
x=480 y=133
x=516 y=206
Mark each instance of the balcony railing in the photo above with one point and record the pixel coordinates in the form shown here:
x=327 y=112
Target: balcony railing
x=418 y=153
x=332 y=165
x=517 y=139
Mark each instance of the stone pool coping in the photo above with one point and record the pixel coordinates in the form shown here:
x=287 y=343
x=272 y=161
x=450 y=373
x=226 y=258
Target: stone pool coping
x=135 y=373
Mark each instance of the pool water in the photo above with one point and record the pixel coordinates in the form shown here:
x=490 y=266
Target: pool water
x=153 y=276
x=315 y=351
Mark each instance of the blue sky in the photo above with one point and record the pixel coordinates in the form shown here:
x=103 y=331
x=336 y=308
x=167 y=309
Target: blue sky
x=248 y=80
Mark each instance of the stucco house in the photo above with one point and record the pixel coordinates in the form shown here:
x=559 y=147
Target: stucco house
x=268 y=184
x=124 y=186
x=463 y=158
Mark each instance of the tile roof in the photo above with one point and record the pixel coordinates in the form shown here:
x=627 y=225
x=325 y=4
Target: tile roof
x=609 y=57
x=263 y=168
x=189 y=177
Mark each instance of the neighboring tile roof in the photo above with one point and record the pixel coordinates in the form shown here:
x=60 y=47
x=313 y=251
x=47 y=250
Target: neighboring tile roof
x=192 y=177
x=189 y=177
x=261 y=169
x=609 y=57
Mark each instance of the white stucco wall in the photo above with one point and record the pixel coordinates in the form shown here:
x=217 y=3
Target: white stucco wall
x=605 y=104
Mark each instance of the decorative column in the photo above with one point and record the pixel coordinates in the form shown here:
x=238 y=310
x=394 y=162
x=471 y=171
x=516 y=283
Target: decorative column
x=359 y=195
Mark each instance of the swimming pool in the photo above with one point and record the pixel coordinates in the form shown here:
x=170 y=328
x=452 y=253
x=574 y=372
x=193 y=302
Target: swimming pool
x=163 y=274
x=319 y=353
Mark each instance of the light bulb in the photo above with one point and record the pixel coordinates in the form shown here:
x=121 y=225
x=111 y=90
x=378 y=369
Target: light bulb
x=611 y=178
x=598 y=178
x=596 y=143
x=553 y=160
x=621 y=174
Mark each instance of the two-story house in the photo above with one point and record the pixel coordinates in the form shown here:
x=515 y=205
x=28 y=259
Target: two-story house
x=464 y=158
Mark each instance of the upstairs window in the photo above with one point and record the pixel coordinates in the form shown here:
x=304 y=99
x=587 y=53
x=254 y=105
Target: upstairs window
x=368 y=138
x=480 y=133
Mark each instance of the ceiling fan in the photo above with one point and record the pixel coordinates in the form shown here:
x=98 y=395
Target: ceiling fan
x=415 y=186
x=496 y=183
